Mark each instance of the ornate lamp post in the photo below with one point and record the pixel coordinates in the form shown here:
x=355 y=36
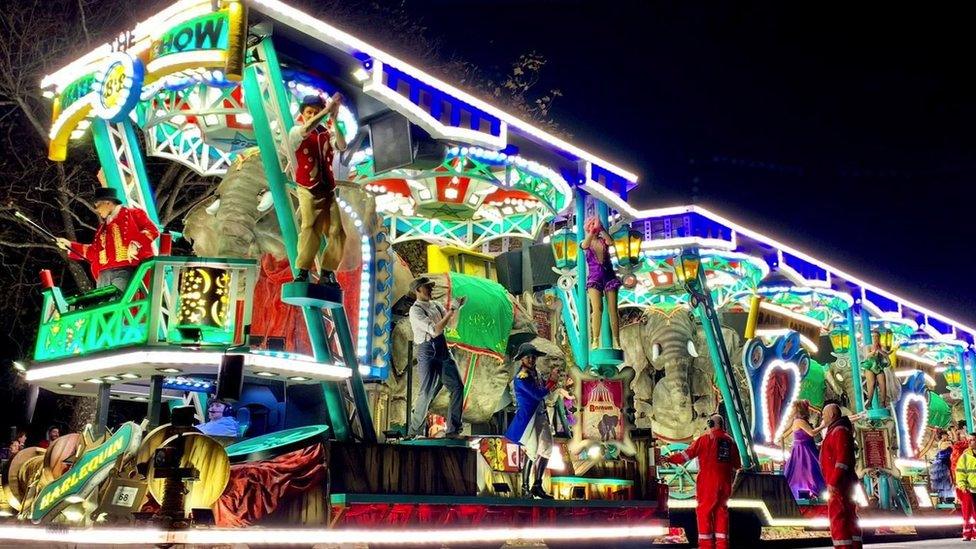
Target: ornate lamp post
x=565 y=249
x=627 y=244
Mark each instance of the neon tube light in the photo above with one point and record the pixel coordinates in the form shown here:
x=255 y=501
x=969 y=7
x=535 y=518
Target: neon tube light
x=289 y=365
x=620 y=205
x=333 y=36
x=400 y=536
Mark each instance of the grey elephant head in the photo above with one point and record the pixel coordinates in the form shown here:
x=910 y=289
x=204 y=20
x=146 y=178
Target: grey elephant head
x=239 y=220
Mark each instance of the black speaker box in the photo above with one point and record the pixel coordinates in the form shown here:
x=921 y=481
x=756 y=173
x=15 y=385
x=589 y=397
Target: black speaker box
x=398 y=144
x=230 y=378
x=541 y=262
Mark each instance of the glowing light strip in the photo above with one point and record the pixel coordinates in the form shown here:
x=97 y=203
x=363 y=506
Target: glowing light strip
x=331 y=35
x=365 y=286
x=256 y=536
x=929 y=380
x=66 y=115
x=433 y=126
x=777 y=454
x=141 y=35
x=823 y=522
x=903 y=437
x=176 y=357
x=619 y=204
x=686 y=241
x=779 y=364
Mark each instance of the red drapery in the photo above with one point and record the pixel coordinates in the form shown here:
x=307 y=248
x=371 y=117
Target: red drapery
x=256 y=490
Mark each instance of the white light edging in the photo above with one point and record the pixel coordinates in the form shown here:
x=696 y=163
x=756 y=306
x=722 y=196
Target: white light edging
x=113 y=362
x=330 y=35
x=823 y=522
x=256 y=536
x=620 y=205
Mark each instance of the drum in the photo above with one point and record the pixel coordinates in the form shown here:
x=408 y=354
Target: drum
x=273 y=445
x=20 y=474
x=208 y=457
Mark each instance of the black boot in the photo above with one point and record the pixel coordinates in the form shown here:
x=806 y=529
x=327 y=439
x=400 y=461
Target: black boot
x=526 y=477
x=540 y=470
x=302 y=275
x=328 y=278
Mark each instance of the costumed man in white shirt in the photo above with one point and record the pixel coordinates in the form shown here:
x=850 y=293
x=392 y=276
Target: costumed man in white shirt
x=435 y=363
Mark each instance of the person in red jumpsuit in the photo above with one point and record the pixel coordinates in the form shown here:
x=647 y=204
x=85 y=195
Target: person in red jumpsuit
x=718 y=460
x=960 y=442
x=837 y=463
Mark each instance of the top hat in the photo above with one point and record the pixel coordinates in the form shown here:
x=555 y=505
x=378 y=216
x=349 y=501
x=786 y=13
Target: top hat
x=106 y=194
x=528 y=349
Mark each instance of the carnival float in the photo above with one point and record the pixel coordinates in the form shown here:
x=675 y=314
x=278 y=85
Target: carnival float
x=708 y=315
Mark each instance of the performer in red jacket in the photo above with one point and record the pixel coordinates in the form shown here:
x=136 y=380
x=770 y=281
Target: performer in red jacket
x=837 y=463
x=123 y=239
x=718 y=460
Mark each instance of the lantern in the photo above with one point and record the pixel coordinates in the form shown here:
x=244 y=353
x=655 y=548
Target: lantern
x=687 y=266
x=627 y=243
x=887 y=338
x=564 y=248
x=840 y=340
x=953 y=376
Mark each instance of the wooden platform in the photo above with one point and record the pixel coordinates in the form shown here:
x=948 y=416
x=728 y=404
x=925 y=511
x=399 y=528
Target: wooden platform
x=403 y=469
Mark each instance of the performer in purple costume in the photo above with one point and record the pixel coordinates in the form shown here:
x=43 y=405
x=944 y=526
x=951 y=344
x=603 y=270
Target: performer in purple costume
x=803 y=466
x=601 y=280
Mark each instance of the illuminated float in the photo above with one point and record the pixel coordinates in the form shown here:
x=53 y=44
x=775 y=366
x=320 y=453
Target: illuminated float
x=710 y=312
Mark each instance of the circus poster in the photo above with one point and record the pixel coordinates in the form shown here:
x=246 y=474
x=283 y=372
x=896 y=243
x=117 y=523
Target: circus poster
x=603 y=410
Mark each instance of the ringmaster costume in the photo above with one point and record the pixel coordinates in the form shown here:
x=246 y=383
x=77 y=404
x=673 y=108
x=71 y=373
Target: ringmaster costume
x=530 y=427
x=121 y=242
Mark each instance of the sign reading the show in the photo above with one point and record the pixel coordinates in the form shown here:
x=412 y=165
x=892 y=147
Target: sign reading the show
x=118 y=87
x=87 y=472
x=207 y=32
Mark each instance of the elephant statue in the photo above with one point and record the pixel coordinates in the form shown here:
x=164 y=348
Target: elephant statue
x=673 y=373
x=239 y=221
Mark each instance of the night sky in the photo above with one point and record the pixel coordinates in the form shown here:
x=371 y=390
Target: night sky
x=848 y=134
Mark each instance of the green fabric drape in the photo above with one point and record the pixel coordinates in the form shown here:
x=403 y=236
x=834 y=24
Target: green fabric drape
x=486 y=320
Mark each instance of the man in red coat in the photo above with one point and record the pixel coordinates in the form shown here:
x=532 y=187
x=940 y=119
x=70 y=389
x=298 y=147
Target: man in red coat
x=122 y=241
x=837 y=464
x=718 y=460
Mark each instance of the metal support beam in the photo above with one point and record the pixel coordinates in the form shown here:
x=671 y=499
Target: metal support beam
x=100 y=426
x=855 y=362
x=582 y=308
x=266 y=98
x=155 y=400
x=967 y=404
x=122 y=163
x=724 y=375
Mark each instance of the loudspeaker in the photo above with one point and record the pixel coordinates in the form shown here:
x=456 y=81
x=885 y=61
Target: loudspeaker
x=398 y=144
x=230 y=378
x=508 y=267
x=541 y=261
x=543 y=277
x=389 y=136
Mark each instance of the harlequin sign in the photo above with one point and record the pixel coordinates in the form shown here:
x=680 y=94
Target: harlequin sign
x=117 y=87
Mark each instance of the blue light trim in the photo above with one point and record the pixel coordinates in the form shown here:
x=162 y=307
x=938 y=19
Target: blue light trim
x=442 y=106
x=611 y=181
x=806 y=269
x=886 y=305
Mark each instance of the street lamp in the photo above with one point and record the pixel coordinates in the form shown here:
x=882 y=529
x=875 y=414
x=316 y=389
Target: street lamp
x=953 y=376
x=840 y=340
x=687 y=266
x=627 y=243
x=565 y=249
